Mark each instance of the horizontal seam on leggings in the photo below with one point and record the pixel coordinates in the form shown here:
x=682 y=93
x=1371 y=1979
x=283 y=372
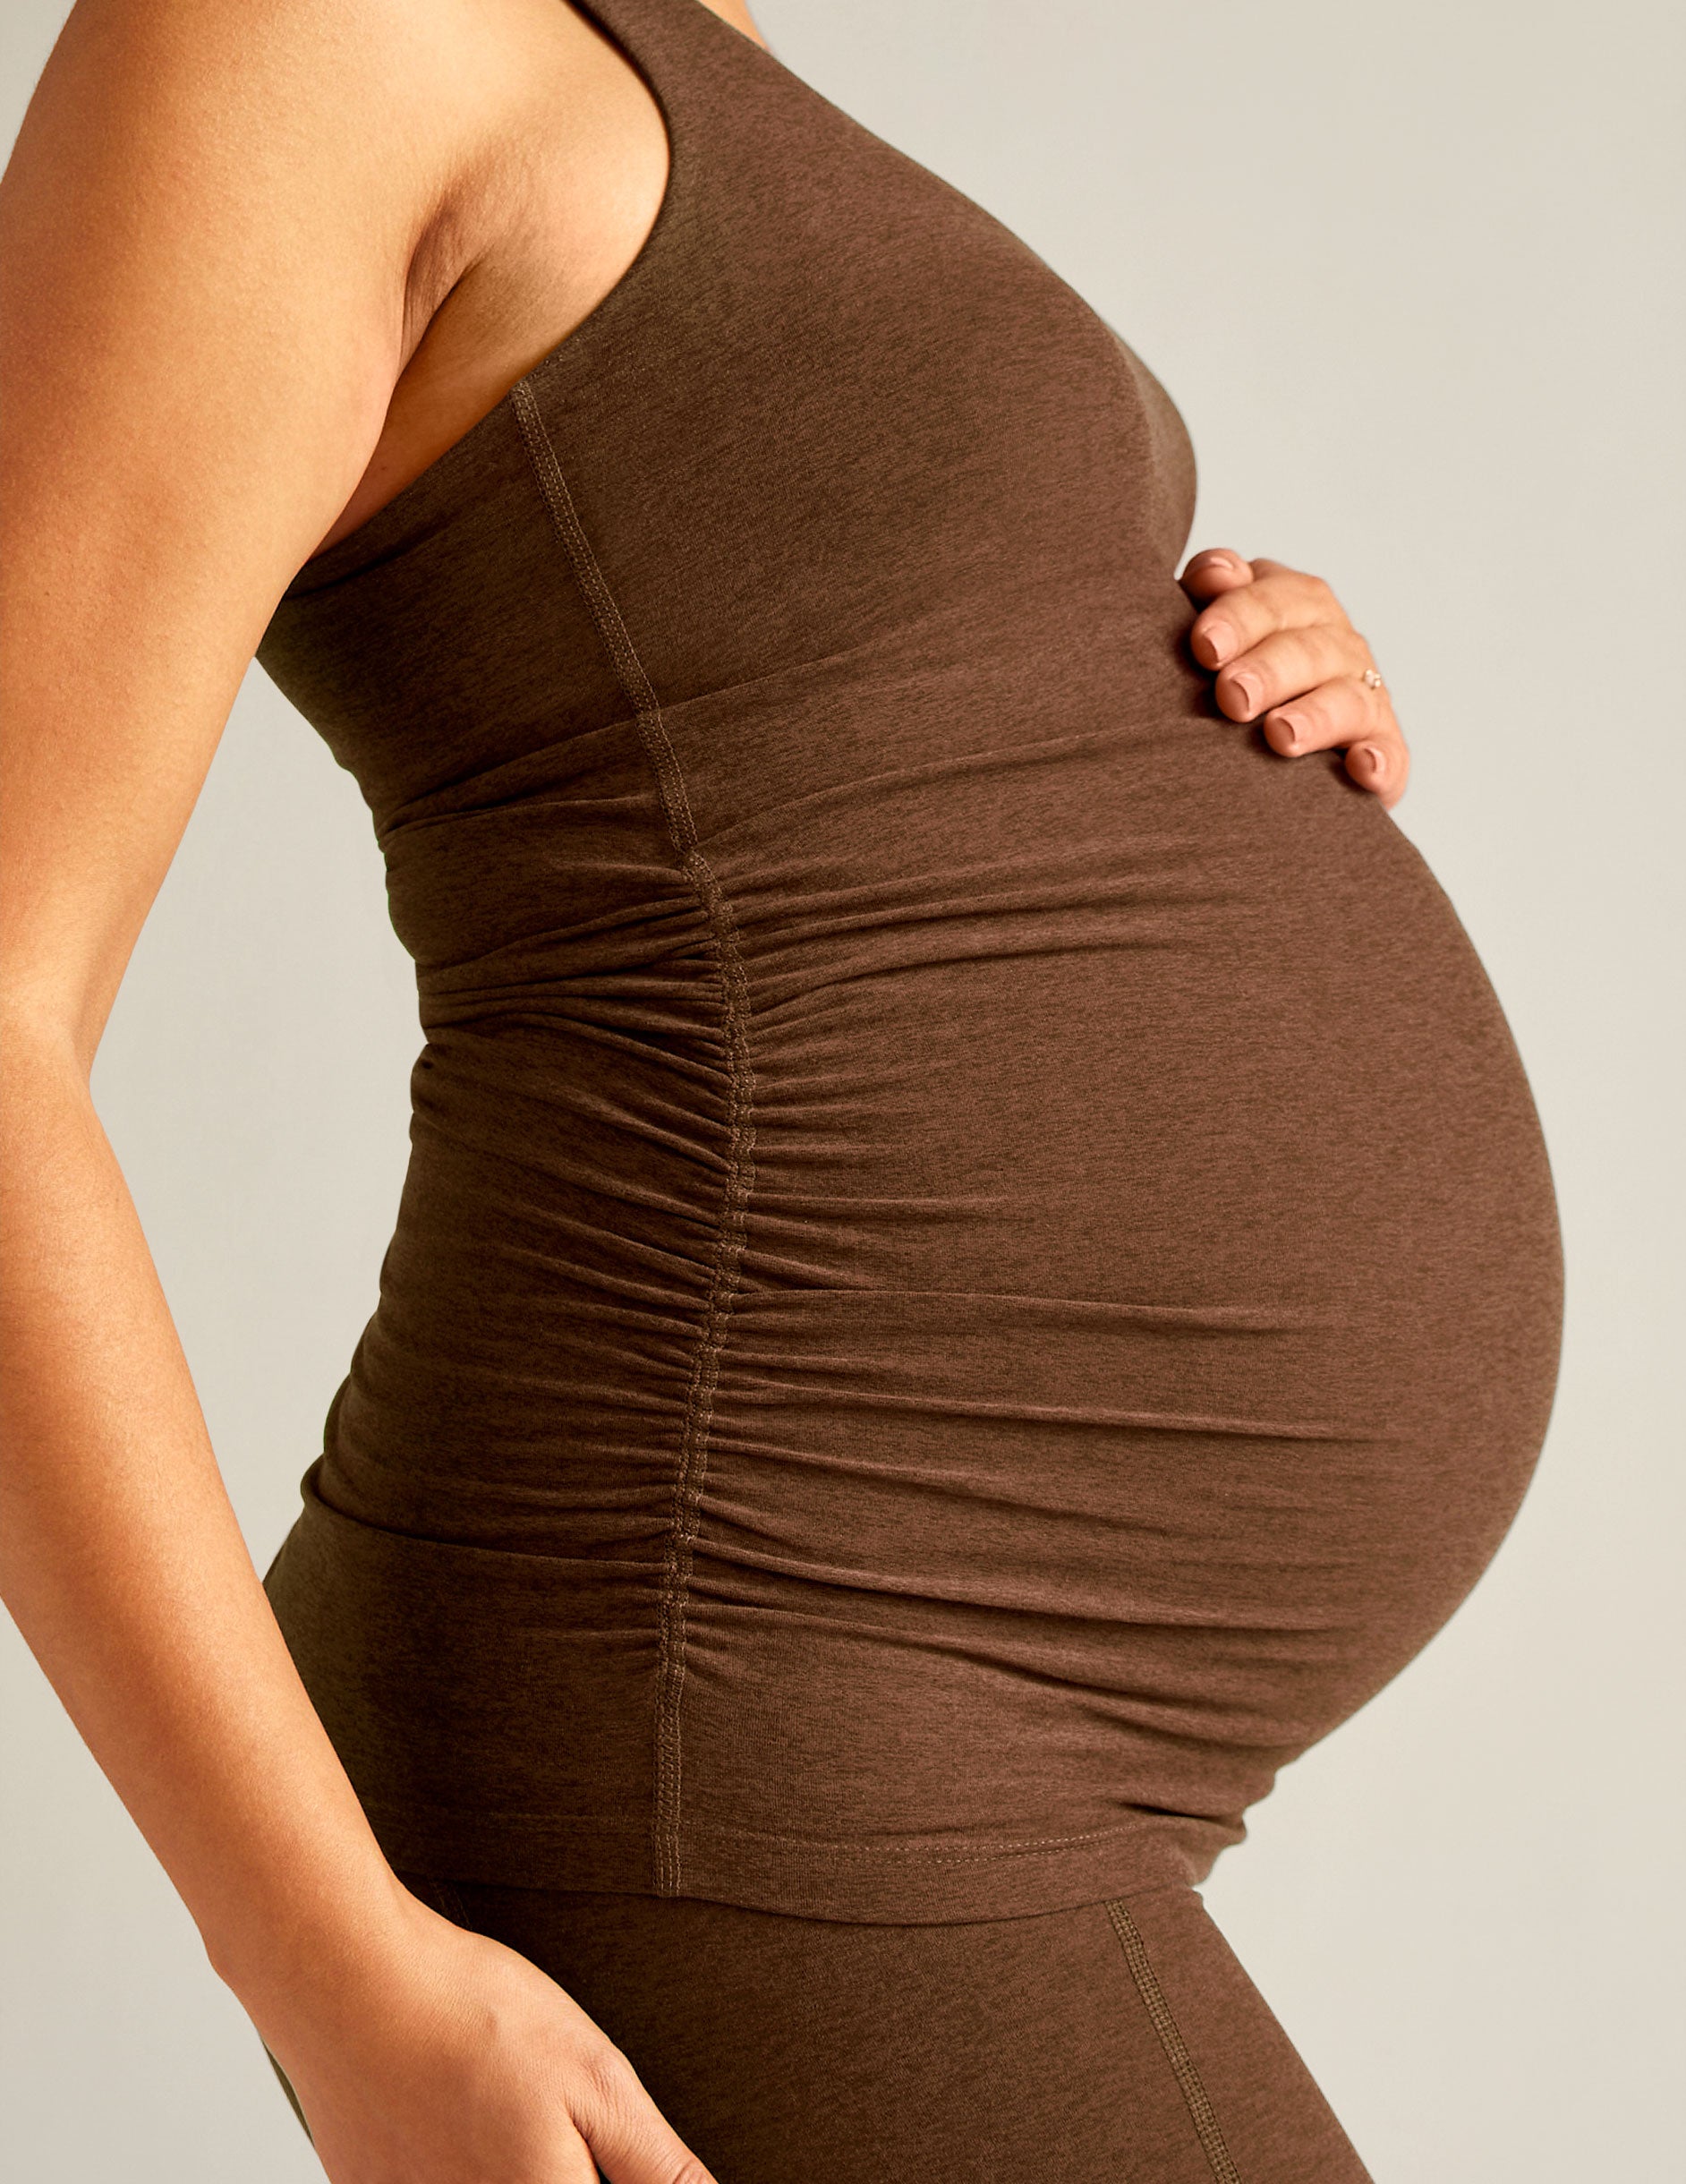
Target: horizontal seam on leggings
x=1171 y=2039
x=740 y=1174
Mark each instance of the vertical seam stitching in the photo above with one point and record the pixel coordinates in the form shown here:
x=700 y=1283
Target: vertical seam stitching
x=1171 y=2039
x=740 y=1174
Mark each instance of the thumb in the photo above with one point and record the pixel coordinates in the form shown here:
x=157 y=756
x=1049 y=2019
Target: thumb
x=631 y=2140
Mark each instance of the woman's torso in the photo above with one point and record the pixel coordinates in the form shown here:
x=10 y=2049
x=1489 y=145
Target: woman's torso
x=977 y=1266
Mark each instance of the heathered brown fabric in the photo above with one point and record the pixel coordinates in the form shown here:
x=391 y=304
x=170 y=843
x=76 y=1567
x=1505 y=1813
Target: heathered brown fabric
x=978 y=1267
x=1115 y=2042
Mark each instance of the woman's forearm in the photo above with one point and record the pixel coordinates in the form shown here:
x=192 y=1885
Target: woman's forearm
x=123 y=1564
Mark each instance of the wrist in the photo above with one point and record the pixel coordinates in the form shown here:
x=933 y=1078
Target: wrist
x=320 y=1949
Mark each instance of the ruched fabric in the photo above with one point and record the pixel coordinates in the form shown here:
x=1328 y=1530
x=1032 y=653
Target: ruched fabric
x=978 y=1267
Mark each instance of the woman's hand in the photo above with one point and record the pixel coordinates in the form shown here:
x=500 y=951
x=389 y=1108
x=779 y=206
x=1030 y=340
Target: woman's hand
x=441 y=2057
x=1286 y=656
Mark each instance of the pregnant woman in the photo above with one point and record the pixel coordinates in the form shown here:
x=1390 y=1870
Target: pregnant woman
x=978 y=1267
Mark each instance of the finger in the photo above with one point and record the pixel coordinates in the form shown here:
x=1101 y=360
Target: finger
x=1340 y=711
x=630 y=2138
x=1278 y=597
x=1214 y=569
x=1347 y=713
x=1286 y=664
x=1382 y=766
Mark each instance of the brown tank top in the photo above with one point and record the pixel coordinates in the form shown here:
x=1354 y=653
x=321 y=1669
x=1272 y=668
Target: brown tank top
x=977 y=1266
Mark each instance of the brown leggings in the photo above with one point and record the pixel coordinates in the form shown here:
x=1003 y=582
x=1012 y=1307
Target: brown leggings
x=1119 y=2043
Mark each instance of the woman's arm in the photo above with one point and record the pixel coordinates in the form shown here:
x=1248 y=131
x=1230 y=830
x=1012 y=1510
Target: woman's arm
x=204 y=293
x=208 y=231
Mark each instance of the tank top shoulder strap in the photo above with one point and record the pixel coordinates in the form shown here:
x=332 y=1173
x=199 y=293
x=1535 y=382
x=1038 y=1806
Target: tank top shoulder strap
x=696 y=66
x=682 y=49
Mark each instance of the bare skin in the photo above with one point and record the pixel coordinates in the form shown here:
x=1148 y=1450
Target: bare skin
x=263 y=261
x=1289 y=659
x=533 y=242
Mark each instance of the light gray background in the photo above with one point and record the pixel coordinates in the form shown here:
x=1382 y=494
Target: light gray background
x=1412 y=275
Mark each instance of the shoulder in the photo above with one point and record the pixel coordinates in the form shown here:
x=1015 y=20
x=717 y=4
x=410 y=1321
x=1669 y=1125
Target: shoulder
x=338 y=122
x=391 y=97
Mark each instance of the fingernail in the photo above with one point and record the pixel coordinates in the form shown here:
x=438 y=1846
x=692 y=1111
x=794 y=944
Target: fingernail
x=1216 y=639
x=1369 y=760
x=1225 y=561
x=1292 y=726
x=1247 y=690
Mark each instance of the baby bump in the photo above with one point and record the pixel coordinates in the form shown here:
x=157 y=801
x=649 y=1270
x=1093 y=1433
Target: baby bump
x=1029 y=1296
x=1147 y=1322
